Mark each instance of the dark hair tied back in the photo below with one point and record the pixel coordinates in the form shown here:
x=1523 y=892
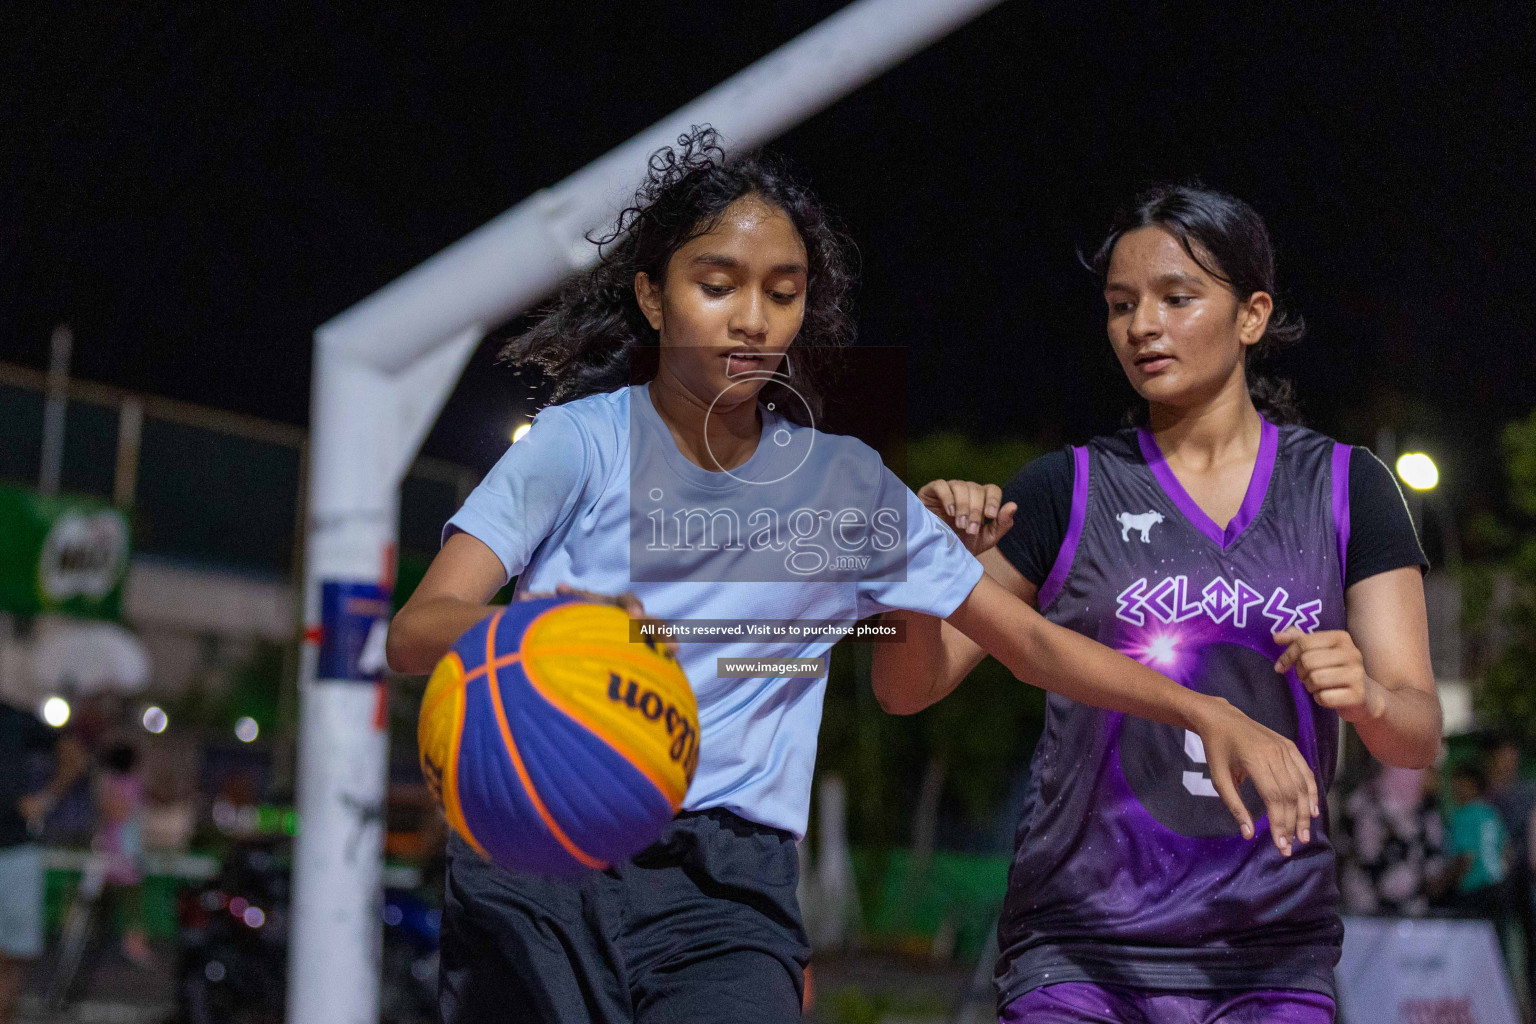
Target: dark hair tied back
x=591 y=338
x=1229 y=241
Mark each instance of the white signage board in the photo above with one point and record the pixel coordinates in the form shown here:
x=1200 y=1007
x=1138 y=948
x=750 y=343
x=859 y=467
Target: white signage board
x=1426 y=971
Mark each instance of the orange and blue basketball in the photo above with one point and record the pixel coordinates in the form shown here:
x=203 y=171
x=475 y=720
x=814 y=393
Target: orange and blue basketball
x=554 y=742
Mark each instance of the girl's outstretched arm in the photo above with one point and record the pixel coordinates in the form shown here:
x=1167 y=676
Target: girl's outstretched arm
x=998 y=617
x=1062 y=661
x=936 y=656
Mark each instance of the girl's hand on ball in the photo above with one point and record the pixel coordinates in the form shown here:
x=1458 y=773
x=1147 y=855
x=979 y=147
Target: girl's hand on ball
x=628 y=601
x=974 y=511
x=1332 y=669
x=631 y=604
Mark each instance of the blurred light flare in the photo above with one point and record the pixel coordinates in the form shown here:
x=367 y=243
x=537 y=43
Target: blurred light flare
x=1162 y=649
x=1418 y=471
x=519 y=432
x=246 y=730
x=56 y=711
x=155 y=720
x=1159 y=649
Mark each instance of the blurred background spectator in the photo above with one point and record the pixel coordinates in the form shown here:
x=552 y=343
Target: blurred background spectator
x=1514 y=798
x=28 y=791
x=119 y=841
x=1390 y=843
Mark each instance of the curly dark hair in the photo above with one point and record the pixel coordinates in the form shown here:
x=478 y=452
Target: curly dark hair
x=1228 y=239
x=593 y=338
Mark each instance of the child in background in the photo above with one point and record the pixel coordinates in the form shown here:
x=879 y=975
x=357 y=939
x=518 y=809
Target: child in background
x=119 y=822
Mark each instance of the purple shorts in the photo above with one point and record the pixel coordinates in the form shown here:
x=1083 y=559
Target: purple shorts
x=1076 y=1002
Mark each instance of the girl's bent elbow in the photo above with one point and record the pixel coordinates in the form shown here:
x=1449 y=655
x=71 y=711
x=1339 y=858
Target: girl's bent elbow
x=1417 y=761
x=893 y=702
x=1429 y=755
x=1419 y=755
x=397 y=649
x=896 y=706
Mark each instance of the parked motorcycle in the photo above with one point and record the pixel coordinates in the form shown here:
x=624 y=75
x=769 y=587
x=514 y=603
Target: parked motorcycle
x=233 y=951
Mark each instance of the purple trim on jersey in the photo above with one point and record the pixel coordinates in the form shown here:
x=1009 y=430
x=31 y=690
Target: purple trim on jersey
x=1068 y=551
x=1080 y=1002
x=1341 y=455
x=1253 y=500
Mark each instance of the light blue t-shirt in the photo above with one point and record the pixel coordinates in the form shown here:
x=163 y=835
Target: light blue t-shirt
x=812 y=528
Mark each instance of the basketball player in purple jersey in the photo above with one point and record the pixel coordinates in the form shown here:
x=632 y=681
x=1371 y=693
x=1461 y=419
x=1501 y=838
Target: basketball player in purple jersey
x=1247 y=558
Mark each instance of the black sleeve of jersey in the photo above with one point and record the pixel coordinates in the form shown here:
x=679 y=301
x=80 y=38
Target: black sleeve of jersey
x=1381 y=533
x=1043 y=489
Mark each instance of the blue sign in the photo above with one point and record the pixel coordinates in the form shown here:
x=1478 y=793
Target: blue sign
x=354 y=619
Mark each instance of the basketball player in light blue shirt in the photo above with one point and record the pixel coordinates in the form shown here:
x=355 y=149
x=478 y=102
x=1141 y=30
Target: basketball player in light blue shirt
x=560 y=506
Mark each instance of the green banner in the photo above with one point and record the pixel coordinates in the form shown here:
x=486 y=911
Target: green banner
x=67 y=555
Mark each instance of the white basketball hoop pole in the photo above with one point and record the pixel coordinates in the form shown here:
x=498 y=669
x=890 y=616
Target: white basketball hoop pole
x=382 y=372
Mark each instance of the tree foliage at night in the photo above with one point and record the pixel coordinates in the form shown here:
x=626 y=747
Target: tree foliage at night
x=1508 y=619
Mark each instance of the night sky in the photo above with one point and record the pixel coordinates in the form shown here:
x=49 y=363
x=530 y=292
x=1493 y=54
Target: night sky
x=196 y=186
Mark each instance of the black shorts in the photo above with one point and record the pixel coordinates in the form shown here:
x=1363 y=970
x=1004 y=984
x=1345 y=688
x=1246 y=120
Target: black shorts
x=701 y=927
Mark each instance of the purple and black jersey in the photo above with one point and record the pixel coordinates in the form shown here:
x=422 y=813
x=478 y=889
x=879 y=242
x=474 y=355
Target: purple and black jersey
x=1129 y=869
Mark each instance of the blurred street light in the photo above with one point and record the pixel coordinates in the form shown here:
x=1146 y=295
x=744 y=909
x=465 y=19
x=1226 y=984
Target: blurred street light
x=1418 y=471
x=56 y=711
x=1422 y=476
x=517 y=433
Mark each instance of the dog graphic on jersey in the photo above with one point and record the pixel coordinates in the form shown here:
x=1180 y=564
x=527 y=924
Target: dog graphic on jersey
x=1142 y=523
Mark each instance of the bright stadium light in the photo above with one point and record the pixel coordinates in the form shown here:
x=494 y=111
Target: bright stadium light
x=1418 y=471
x=517 y=434
x=246 y=730
x=56 y=711
x=155 y=720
